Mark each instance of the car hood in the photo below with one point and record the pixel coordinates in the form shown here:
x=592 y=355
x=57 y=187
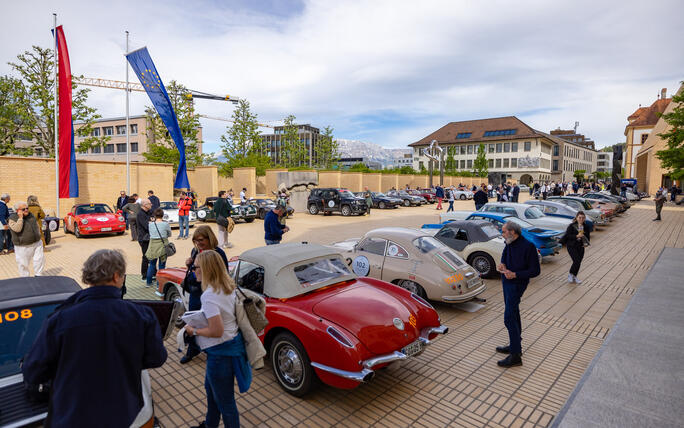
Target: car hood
x=368 y=313
x=102 y=217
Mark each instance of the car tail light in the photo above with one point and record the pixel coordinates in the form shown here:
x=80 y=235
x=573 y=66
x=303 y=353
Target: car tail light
x=420 y=300
x=339 y=337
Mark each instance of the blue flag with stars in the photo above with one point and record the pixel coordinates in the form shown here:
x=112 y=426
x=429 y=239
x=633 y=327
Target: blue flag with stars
x=144 y=68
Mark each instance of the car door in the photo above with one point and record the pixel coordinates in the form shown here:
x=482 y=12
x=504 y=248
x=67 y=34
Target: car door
x=369 y=257
x=394 y=265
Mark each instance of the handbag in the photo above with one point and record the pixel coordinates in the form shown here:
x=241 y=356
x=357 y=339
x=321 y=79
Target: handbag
x=169 y=247
x=255 y=315
x=222 y=221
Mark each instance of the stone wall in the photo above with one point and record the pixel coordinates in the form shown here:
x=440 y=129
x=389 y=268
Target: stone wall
x=204 y=180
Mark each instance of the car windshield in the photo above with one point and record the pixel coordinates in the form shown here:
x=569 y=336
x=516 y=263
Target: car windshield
x=18 y=330
x=379 y=195
x=533 y=213
x=346 y=194
x=320 y=271
x=491 y=231
x=168 y=205
x=427 y=243
x=403 y=193
x=93 y=209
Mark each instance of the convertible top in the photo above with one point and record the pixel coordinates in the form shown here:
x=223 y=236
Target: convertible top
x=33 y=286
x=473 y=228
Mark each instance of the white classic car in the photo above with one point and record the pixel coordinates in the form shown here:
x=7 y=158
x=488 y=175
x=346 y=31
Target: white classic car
x=462 y=194
x=171 y=214
x=530 y=213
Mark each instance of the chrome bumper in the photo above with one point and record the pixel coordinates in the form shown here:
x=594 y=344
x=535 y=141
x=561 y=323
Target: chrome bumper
x=366 y=374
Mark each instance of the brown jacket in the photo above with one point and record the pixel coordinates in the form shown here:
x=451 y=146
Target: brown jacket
x=39 y=214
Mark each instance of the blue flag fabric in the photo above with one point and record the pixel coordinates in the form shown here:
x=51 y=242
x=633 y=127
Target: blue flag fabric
x=144 y=68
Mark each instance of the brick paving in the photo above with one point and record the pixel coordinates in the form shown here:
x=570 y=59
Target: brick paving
x=456 y=381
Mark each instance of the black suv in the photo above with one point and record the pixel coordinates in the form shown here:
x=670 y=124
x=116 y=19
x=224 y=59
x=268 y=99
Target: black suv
x=332 y=199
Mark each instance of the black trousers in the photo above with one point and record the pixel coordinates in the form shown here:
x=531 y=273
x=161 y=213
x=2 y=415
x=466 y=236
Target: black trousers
x=659 y=208
x=145 y=262
x=576 y=254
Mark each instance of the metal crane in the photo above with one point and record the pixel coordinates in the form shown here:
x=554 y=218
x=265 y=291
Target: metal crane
x=230 y=120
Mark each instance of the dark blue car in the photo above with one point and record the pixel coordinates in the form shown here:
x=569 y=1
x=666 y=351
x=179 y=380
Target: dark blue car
x=545 y=240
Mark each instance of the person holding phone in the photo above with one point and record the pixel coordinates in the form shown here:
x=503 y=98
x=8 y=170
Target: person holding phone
x=576 y=237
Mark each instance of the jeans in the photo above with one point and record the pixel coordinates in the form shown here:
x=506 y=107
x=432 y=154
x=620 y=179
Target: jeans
x=576 y=254
x=512 y=294
x=183 y=222
x=271 y=242
x=145 y=262
x=6 y=236
x=194 y=304
x=451 y=206
x=125 y=216
x=219 y=383
x=152 y=269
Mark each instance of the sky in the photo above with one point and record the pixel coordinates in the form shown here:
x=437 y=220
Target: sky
x=388 y=72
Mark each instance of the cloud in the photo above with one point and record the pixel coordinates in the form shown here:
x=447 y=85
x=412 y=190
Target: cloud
x=388 y=72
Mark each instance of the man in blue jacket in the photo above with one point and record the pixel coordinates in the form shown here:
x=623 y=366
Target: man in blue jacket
x=439 y=194
x=519 y=263
x=272 y=226
x=5 y=235
x=93 y=349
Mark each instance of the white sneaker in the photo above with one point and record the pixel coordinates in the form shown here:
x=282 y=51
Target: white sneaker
x=227 y=245
x=571 y=278
x=577 y=280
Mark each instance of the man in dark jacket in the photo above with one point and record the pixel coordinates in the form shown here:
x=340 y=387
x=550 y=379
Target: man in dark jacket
x=120 y=202
x=142 y=224
x=480 y=198
x=439 y=194
x=93 y=349
x=516 y=192
x=153 y=200
x=519 y=263
x=272 y=227
x=5 y=234
x=26 y=238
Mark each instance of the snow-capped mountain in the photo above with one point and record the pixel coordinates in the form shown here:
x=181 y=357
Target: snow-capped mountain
x=370 y=151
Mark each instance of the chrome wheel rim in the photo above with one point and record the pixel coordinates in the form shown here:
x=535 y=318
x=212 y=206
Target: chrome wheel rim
x=290 y=364
x=410 y=286
x=481 y=264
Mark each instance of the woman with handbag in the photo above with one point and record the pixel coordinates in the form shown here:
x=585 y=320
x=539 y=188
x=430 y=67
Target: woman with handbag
x=160 y=231
x=204 y=239
x=576 y=237
x=221 y=340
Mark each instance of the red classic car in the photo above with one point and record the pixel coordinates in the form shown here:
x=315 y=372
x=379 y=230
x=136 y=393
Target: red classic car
x=94 y=219
x=428 y=194
x=325 y=323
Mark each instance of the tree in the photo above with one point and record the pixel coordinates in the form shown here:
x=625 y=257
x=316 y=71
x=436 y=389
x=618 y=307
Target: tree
x=450 y=161
x=160 y=145
x=328 y=150
x=579 y=175
x=13 y=99
x=672 y=158
x=480 y=165
x=36 y=73
x=293 y=151
x=243 y=145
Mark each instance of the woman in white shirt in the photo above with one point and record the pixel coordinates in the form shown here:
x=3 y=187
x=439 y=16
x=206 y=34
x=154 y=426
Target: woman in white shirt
x=160 y=231
x=221 y=340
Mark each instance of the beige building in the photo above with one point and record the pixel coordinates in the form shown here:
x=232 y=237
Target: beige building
x=572 y=152
x=650 y=174
x=515 y=151
x=641 y=123
x=115 y=149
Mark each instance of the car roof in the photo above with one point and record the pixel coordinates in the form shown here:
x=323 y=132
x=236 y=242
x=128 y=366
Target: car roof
x=88 y=205
x=509 y=204
x=473 y=228
x=45 y=287
x=547 y=202
x=403 y=233
x=276 y=257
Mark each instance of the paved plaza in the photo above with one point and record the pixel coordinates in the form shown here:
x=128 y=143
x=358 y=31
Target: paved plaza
x=456 y=381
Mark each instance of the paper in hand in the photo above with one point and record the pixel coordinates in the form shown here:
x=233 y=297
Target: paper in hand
x=195 y=319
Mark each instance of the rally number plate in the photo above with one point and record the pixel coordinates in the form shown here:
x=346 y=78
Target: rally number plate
x=106 y=229
x=412 y=349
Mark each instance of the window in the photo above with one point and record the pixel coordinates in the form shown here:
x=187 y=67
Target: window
x=373 y=246
x=505 y=163
x=500 y=132
x=514 y=147
x=108 y=130
x=251 y=277
x=556 y=150
x=462 y=163
x=491 y=148
x=470 y=163
x=470 y=149
x=549 y=209
x=644 y=137
x=514 y=163
x=134 y=147
x=555 y=165
x=134 y=129
x=507 y=147
x=321 y=270
x=396 y=250
x=528 y=146
x=533 y=213
x=490 y=163
x=120 y=129
x=121 y=147
x=464 y=135
x=463 y=149
x=498 y=163
x=109 y=148
x=96 y=132
x=461 y=235
x=498 y=147
x=96 y=150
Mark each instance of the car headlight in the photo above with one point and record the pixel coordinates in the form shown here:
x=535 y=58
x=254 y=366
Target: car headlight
x=84 y=221
x=166 y=217
x=121 y=219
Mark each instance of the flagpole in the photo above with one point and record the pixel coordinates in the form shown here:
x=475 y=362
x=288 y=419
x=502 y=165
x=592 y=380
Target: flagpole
x=54 y=32
x=128 y=129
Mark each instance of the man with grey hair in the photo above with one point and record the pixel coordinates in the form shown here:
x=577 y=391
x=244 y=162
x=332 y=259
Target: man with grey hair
x=5 y=235
x=26 y=238
x=122 y=338
x=519 y=263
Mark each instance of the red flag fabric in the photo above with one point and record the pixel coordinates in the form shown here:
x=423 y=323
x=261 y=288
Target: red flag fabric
x=68 y=179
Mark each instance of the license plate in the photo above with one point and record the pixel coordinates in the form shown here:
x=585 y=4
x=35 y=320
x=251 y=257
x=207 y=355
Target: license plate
x=106 y=229
x=474 y=282
x=412 y=349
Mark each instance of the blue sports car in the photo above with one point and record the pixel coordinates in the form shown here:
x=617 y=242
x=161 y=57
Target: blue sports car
x=545 y=240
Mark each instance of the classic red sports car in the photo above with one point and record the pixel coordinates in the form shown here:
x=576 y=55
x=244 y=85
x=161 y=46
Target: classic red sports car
x=94 y=219
x=428 y=194
x=325 y=323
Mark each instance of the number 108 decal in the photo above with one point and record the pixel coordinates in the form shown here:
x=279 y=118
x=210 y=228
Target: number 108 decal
x=15 y=315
